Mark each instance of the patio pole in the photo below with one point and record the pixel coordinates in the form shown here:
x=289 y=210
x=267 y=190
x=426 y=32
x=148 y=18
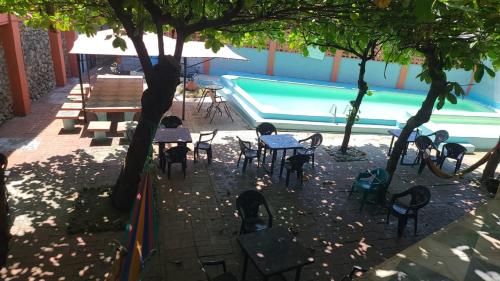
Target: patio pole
x=88 y=68
x=184 y=90
x=79 y=62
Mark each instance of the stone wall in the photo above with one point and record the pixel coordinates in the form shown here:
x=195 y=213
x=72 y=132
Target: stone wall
x=6 y=110
x=37 y=61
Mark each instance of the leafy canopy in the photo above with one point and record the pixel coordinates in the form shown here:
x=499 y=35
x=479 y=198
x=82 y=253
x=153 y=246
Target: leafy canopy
x=462 y=34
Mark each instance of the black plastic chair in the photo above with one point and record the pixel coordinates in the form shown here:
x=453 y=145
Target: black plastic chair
x=372 y=182
x=171 y=121
x=247 y=204
x=205 y=143
x=262 y=130
x=454 y=151
x=176 y=154
x=247 y=151
x=440 y=136
x=424 y=145
x=316 y=140
x=225 y=276
x=294 y=163
x=419 y=197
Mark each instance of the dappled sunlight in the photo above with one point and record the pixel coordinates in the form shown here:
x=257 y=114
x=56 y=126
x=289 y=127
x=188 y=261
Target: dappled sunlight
x=488 y=275
x=42 y=194
x=495 y=243
x=460 y=252
x=386 y=273
x=320 y=213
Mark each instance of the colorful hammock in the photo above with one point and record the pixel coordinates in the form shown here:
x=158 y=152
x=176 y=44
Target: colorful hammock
x=142 y=230
x=439 y=173
x=141 y=235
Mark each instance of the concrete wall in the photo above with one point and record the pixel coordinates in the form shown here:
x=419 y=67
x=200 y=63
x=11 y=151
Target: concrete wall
x=297 y=66
x=6 y=110
x=488 y=90
x=257 y=63
x=374 y=75
x=37 y=61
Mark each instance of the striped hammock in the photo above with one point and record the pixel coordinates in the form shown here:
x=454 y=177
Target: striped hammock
x=141 y=233
x=439 y=173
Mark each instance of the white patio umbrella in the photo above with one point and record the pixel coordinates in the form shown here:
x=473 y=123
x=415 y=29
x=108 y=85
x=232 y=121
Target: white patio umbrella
x=101 y=44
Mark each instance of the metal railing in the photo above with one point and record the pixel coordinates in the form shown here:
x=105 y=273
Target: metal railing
x=347 y=109
x=333 y=112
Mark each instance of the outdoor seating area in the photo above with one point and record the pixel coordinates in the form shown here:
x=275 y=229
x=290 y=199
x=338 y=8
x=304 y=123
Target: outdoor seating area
x=301 y=210
x=250 y=140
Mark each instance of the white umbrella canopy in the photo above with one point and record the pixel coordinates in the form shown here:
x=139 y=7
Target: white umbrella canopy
x=101 y=44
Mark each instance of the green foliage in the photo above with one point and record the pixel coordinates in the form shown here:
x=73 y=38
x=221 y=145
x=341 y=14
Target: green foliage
x=349 y=115
x=455 y=33
x=118 y=42
x=83 y=16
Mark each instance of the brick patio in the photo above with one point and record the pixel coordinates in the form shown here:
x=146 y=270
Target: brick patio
x=197 y=214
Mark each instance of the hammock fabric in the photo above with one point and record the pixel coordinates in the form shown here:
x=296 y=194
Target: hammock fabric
x=141 y=235
x=142 y=230
x=439 y=173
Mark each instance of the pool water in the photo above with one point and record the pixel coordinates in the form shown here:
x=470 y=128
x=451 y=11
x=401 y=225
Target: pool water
x=469 y=120
x=307 y=99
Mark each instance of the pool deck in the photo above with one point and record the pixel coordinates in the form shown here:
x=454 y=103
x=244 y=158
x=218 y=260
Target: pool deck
x=372 y=120
x=465 y=250
x=49 y=167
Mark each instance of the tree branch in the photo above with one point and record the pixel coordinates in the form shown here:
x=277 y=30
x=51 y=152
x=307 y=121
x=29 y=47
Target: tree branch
x=226 y=18
x=136 y=36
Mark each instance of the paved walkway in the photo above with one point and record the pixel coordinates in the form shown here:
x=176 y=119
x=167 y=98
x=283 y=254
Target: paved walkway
x=466 y=250
x=48 y=168
x=198 y=218
x=197 y=214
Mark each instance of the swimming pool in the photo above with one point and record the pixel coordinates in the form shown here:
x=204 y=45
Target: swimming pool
x=299 y=105
x=308 y=102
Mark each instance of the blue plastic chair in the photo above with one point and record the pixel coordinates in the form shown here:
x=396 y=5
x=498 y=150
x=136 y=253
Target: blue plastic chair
x=371 y=183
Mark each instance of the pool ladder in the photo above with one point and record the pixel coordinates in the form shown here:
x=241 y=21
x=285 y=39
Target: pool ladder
x=333 y=112
x=347 y=109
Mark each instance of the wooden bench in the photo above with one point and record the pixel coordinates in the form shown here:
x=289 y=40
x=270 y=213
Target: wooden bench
x=72 y=106
x=76 y=88
x=124 y=126
x=77 y=94
x=75 y=98
x=68 y=118
x=99 y=128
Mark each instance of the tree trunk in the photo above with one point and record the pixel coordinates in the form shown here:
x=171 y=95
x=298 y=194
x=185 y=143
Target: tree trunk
x=162 y=80
x=438 y=86
x=492 y=164
x=156 y=100
x=351 y=119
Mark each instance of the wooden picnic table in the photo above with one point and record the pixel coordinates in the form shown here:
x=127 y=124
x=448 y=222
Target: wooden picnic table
x=116 y=93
